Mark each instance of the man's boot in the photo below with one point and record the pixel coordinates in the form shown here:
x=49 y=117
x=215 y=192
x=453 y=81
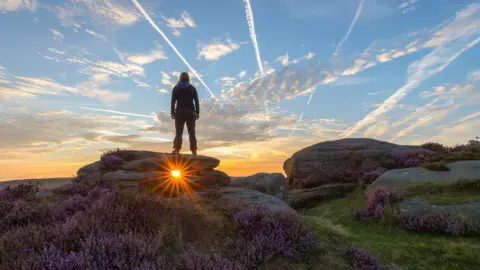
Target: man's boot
x=176 y=152
x=194 y=152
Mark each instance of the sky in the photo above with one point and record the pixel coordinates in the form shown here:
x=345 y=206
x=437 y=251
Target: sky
x=79 y=77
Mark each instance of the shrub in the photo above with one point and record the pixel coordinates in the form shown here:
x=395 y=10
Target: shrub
x=269 y=234
x=378 y=200
x=436 y=166
x=111 y=161
x=435 y=147
x=436 y=223
x=359 y=258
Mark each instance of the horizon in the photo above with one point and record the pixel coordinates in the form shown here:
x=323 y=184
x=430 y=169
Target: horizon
x=81 y=77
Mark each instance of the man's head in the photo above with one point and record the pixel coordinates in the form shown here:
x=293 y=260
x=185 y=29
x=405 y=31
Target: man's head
x=184 y=77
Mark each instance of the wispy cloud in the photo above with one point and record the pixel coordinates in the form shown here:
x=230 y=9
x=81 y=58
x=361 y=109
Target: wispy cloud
x=216 y=49
x=143 y=59
x=474 y=75
x=105 y=13
x=407 y=6
x=175 y=24
x=152 y=23
x=115 y=112
x=436 y=61
x=350 y=28
x=56 y=35
x=253 y=34
x=12 y=5
x=95 y=34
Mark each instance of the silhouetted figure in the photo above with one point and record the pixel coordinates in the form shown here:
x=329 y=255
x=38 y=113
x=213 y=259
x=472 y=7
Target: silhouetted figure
x=184 y=95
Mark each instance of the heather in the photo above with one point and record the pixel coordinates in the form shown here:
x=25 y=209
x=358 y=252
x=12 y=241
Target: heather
x=98 y=226
x=372 y=240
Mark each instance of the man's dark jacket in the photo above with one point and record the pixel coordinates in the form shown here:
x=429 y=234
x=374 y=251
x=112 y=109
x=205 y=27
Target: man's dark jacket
x=185 y=94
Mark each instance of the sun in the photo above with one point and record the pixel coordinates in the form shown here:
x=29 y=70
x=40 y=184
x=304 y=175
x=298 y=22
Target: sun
x=176 y=173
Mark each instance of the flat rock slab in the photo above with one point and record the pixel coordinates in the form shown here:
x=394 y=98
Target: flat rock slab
x=470 y=212
x=273 y=184
x=302 y=198
x=168 y=162
x=254 y=197
x=401 y=179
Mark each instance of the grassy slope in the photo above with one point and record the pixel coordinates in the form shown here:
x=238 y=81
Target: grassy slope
x=392 y=244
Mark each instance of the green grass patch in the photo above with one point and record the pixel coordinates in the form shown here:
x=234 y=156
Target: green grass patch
x=393 y=244
x=458 y=193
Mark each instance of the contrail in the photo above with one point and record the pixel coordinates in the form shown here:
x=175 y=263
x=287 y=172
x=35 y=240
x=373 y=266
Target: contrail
x=337 y=49
x=253 y=35
x=152 y=23
x=295 y=128
x=115 y=112
x=430 y=65
x=354 y=21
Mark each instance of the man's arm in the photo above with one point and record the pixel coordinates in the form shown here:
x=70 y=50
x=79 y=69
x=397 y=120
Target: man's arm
x=174 y=99
x=195 y=98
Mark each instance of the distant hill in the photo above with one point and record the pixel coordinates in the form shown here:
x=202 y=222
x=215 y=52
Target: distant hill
x=46 y=183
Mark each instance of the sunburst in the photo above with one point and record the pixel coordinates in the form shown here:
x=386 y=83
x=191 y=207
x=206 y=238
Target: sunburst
x=177 y=176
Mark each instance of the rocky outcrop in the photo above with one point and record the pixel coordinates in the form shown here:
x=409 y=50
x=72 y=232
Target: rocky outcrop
x=254 y=197
x=303 y=198
x=323 y=160
x=154 y=169
x=401 y=179
x=273 y=184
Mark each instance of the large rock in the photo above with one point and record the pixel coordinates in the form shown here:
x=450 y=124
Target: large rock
x=302 y=198
x=470 y=211
x=401 y=179
x=273 y=184
x=254 y=197
x=326 y=157
x=90 y=170
x=211 y=178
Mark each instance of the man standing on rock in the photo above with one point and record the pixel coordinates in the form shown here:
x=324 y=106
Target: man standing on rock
x=184 y=95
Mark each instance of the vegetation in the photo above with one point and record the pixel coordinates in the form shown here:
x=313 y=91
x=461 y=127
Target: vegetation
x=391 y=243
x=98 y=226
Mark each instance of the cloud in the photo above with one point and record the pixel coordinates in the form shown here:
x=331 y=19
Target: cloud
x=407 y=6
x=13 y=5
x=116 y=69
x=216 y=49
x=56 y=35
x=107 y=13
x=226 y=81
x=242 y=74
x=474 y=75
x=95 y=34
x=253 y=34
x=30 y=87
x=163 y=91
x=141 y=84
x=56 y=51
x=143 y=59
x=431 y=64
x=176 y=24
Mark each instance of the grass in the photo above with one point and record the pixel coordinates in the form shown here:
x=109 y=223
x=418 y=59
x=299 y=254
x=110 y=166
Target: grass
x=393 y=244
x=446 y=194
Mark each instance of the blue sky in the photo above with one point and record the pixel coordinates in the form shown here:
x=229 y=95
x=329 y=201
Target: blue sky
x=81 y=76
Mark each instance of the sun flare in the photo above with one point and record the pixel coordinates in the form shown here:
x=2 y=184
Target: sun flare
x=176 y=173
